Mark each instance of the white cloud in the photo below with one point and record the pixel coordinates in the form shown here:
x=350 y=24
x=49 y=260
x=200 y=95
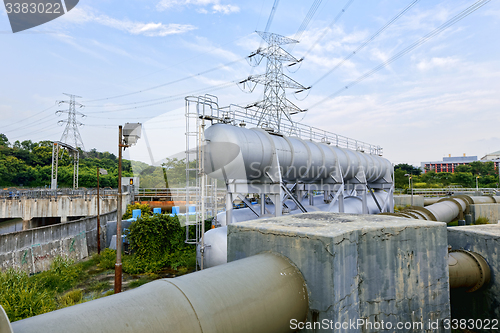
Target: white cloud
x=151 y=29
x=216 y=6
x=436 y=62
x=225 y=9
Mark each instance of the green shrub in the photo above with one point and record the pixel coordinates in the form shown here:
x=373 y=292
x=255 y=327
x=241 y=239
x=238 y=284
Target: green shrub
x=158 y=241
x=107 y=259
x=133 y=264
x=153 y=237
x=145 y=210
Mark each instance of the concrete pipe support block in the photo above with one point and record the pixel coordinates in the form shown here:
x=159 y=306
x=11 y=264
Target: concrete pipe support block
x=359 y=268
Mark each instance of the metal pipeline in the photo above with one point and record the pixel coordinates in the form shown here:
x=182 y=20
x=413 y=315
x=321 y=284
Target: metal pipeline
x=446 y=209
x=256 y=294
x=468 y=269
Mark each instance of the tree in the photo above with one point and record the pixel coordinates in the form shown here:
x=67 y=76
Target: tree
x=466 y=179
x=409 y=169
x=463 y=168
x=3 y=140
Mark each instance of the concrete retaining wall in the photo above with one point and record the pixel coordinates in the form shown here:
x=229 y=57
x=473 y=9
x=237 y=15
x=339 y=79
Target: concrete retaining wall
x=359 y=267
x=33 y=250
x=484 y=303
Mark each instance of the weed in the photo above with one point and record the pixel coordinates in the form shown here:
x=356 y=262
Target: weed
x=70 y=298
x=109 y=293
x=482 y=220
x=99 y=286
x=62 y=276
x=138 y=283
x=22 y=298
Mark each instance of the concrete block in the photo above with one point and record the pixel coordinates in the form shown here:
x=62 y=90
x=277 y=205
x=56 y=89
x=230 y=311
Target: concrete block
x=490 y=211
x=111 y=230
x=485 y=240
x=405 y=200
x=359 y=267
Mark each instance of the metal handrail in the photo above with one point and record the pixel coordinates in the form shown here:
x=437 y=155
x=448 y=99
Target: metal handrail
x=41 y=193
x=237 y=115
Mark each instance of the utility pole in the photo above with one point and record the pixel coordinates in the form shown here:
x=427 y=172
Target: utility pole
x=129 y=138
x=98 y=217
x=118 y=264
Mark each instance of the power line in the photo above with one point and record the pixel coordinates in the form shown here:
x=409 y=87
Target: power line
x=181 y=62
x=44 y=129
x=168 y=83
x=169 y=98
x=271 y=15
x=372 y=37
x=149 y=100
x=36 y=114
x=339 y=15
x=441 y=28
x=305 y=22
x=28 y=125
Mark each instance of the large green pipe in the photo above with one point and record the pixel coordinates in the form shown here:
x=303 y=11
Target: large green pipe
x=256 y=294
x=468 y=270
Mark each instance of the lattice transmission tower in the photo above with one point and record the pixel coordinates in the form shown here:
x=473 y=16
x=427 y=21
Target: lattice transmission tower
x=275 y=105
x=71 y=140
x=71 y=134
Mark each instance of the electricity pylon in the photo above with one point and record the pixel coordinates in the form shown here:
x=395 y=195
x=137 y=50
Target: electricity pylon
x=71 y=134
x=275 y=105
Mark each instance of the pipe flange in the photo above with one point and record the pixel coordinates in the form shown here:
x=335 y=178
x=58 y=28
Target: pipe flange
x=412 y=214
x=425 y=211
x=484 y=269
x=468 y=203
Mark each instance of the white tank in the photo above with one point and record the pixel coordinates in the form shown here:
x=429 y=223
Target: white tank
x=239 y=153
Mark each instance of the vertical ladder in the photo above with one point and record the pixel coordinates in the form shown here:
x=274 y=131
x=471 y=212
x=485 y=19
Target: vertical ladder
x=201 y=191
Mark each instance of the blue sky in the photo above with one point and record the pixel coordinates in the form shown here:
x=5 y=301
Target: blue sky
x=442 y=98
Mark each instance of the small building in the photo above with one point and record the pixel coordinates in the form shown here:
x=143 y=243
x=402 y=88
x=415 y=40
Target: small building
x=491 y=156
x=448 y=164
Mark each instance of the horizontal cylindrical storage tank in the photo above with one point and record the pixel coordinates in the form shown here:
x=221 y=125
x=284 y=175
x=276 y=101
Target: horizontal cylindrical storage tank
x=239 y=153
x=256 y=294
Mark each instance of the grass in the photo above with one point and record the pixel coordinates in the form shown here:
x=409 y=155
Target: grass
x=68 y=283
